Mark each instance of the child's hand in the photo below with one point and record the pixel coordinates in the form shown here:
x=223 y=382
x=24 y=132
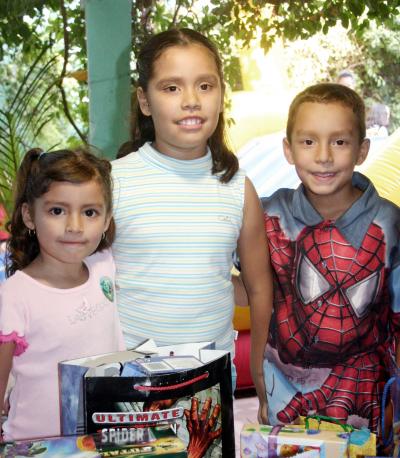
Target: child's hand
x=367 y=368
x=262 y=415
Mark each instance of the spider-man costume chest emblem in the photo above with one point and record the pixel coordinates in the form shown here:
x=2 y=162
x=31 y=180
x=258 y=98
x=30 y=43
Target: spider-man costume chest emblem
x=327 y=287
x=325 y=315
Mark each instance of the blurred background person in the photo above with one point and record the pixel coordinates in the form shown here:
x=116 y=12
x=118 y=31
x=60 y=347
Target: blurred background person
x=347 y=78
x=378 y=117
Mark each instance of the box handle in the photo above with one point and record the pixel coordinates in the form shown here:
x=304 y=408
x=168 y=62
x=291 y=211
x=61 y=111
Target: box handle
x=347 y=428
x=171 y=387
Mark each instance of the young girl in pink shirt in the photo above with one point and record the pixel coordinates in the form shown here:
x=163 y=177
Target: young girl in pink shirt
x=59 y=300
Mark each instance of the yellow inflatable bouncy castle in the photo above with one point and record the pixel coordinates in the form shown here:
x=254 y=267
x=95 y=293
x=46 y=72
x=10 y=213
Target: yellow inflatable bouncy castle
x=383 y=168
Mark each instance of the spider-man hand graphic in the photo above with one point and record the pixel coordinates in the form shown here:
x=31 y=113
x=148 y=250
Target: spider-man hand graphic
x=201 y=430
x=326 y=316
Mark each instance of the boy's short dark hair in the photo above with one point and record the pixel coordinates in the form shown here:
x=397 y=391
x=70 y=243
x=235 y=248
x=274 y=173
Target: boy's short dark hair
x=329 y=93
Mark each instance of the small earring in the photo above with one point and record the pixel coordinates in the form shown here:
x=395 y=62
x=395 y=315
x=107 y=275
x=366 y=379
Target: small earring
x=31 y=232
x=104 y=235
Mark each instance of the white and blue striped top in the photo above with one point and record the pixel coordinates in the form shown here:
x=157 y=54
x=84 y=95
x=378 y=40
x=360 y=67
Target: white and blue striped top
x=177 y=226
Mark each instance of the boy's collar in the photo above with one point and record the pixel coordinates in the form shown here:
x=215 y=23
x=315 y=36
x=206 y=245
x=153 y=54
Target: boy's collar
x=355 y=222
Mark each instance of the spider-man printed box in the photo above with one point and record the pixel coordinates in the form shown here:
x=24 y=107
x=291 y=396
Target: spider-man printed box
x=196 y=403
x=135 y=443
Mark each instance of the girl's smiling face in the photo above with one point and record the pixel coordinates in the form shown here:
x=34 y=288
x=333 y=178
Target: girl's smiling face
x=184 y=98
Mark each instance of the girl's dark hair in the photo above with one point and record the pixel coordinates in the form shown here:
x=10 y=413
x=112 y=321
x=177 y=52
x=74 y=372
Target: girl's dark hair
x=224 y=161
x=36 y=173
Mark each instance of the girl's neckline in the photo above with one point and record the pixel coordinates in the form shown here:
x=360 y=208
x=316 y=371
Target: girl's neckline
x=55 y=289
x=187 y=166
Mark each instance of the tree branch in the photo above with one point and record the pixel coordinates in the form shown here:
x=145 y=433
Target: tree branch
x=177 y=7
x=64 y=72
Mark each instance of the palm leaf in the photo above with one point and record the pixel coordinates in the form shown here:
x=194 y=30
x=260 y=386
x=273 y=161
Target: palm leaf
x=23 y=118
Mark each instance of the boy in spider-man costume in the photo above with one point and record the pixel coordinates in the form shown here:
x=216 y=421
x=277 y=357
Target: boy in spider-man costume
x=334 y=246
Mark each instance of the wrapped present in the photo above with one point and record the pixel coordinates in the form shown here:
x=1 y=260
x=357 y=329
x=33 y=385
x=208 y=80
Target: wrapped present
x=149 y=442
x=263 y=441
x=361 y=441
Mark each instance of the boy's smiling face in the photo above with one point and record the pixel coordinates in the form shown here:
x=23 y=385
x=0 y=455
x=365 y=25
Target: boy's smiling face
x=325 y=147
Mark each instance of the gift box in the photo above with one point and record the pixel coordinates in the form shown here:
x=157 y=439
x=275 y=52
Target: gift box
x=149 y=442
x=186 y=387
x=361 y=441
x=263 y=441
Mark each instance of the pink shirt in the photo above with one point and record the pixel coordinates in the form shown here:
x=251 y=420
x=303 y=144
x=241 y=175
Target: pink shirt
x=51 y=325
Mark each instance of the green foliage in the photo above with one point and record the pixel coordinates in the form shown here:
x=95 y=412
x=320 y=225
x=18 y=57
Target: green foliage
x=14 y=31
x=315 y=60
x=379 y=70
x=22 y=119
x=372 y=56
x=232 y=24
x=28 y=21
x=25 y=25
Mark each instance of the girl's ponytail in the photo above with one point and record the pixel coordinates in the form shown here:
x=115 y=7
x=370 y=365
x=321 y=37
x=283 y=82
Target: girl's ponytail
x=22 y=246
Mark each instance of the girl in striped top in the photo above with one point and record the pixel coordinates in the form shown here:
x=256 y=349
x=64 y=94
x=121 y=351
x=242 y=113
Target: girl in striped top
x=182 y=207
